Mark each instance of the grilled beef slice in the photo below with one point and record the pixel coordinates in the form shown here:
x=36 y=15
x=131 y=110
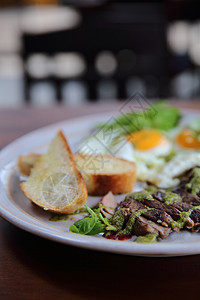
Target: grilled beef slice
x=195 y=216
x=131 y=205
x=159 y=195
x=173 y=210
x=159 y=219
x=143 y=226
x=170 y=210
x=186 y=196
x=159 y=216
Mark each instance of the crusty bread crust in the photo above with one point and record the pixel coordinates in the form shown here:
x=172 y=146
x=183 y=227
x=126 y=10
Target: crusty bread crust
x=70 y=207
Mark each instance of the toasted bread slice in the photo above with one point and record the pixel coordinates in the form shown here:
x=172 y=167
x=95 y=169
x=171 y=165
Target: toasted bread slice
x=103 y=173
x=55 y=183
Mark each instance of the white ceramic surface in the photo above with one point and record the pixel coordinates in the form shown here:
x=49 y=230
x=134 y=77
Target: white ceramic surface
x=17 y=209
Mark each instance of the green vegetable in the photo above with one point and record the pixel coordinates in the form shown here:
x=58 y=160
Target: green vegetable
x=84 y=225
x=171 y=197
x=74 y=229
x=194 y=184
x=147 y=239
x=98 y=228
x=160 y=116
x=93 y=224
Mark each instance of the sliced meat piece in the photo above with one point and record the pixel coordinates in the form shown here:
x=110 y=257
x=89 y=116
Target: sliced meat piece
x=143 y=226
x=131 y=205
x=185 y=178
x=109 y=205
x=159 y=216
x=196 y=228
x=159 y=195
x=182 y=206
x=189 y=223
x=195 y=216
x=172 y=211
x=187 y=197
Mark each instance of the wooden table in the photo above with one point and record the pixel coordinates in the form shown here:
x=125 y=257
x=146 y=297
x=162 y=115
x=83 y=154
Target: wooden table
x=35 y=268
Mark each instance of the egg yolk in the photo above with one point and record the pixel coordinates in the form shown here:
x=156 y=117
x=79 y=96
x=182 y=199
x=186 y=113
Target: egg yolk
x=146 y=139
x=187 y=140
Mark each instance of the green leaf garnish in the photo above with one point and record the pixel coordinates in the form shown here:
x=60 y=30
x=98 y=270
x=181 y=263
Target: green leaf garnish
x=98 y=228
x=74 y=229
x=93 y=224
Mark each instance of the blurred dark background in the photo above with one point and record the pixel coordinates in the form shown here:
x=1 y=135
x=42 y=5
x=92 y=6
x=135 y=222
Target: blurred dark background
x=98 y=50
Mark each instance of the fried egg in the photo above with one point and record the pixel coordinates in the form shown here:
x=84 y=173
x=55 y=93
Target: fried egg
x=187 y=141
x=179 y=164
x=150 y=141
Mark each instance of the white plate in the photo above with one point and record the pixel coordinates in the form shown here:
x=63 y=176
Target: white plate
x=15 y=207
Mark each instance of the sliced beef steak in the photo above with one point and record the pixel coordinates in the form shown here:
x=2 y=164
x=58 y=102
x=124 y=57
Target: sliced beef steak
x=170 y=210
x=143 y=226
x=159 y=216
x=156 y=215
x=182 y=206
x=131 y=205
x=195 y=216
x=187 y=197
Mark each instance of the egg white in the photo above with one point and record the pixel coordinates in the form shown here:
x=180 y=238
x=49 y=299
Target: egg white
x=179 y=164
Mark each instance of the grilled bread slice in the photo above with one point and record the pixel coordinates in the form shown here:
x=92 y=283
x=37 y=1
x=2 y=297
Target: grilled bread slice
x=101 y=173
x=55 y=183
x=104 y=173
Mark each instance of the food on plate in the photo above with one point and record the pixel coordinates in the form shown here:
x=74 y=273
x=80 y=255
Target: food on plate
x=55 y=183
x=154 y=140
x=108 y=205
x=141 y=137
x=147 y=216
x=168 y=177
x=189 y=137
x=101 y=173
x=149 y=146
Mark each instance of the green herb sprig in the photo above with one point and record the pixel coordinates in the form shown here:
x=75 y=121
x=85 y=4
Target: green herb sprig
x=93 y=224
